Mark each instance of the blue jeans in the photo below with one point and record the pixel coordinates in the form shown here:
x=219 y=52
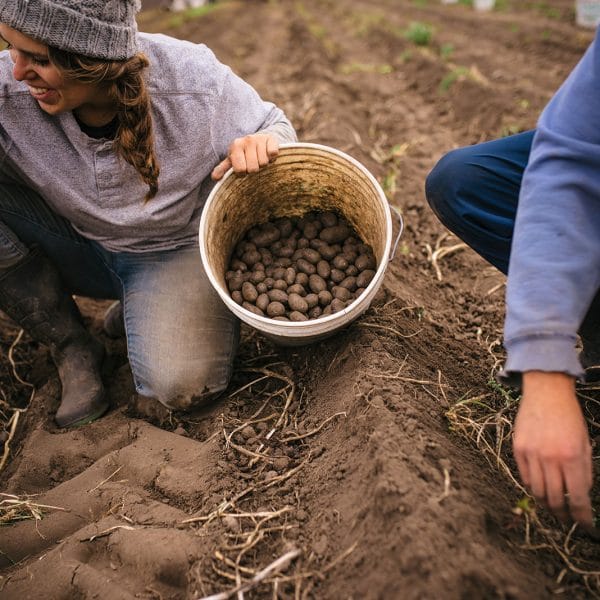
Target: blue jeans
x=181 y=338
x=474 y=191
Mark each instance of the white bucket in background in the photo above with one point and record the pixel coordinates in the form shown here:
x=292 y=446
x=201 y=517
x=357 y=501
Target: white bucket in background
x=484 y=4
x=304 y=177
x=587 y=13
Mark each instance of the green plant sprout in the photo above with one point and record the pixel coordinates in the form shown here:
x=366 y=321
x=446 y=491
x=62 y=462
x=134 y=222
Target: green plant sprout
x=389 y=185
x=446 y=51
x=523 y=506
x=192 y=13
x=419 y=33
x=405 y=56
x=451 y=78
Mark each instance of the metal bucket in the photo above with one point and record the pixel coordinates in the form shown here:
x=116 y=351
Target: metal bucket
x=302 y=178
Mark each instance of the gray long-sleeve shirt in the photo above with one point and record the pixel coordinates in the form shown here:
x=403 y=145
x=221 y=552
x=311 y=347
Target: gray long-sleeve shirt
x=199 y=106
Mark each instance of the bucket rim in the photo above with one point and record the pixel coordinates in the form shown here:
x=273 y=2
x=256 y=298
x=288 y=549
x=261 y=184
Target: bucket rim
x=301 y=329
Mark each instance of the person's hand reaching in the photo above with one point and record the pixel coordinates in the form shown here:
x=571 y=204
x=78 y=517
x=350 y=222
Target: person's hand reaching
x=552 y=447
x=248 y=154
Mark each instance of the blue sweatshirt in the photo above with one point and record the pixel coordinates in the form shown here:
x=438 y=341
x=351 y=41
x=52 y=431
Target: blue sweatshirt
x=554 y=270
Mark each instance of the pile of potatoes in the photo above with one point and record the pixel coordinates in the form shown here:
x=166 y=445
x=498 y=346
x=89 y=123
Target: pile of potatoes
x=300 y=268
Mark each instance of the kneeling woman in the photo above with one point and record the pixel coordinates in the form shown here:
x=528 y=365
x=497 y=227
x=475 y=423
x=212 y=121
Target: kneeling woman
x=108 y=140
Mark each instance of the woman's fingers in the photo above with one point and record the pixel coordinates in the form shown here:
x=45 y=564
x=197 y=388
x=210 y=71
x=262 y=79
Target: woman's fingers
x=564 y=490
x=272 y=146
x=554 y=485
x=248 y=154
x=537 y=483
x=578 y=484
x=221 y=169
x=262 y=152
x=237 y=155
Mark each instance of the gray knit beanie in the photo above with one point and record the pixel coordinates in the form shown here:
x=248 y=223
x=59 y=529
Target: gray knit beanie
x=97 y=28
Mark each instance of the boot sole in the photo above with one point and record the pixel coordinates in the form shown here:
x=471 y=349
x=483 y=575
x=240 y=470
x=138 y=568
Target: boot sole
x=87 y=418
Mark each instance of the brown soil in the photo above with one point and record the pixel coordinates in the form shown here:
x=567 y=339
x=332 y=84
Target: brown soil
x=373 y=454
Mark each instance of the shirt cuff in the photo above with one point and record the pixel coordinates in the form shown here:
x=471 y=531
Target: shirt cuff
x=549 y=354
x=282 y=130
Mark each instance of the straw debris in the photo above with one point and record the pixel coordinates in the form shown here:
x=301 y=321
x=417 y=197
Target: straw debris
x=14 y=509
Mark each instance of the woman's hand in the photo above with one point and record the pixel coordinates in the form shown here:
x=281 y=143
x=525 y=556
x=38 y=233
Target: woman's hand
x=552 y=447
x=248 y=154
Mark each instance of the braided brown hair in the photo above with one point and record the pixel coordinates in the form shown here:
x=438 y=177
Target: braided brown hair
x=125 y=85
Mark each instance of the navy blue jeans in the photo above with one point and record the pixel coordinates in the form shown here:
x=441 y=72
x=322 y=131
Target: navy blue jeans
x=474 y=191
x=181 y=338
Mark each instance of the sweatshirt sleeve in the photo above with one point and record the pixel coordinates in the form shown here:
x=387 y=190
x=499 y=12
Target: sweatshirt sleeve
x=240 y=111
x=554 y=269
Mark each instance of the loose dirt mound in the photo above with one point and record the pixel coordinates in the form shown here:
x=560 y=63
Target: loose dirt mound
x=375 y=465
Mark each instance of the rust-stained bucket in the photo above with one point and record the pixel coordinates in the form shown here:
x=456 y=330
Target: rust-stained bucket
x=304 y=177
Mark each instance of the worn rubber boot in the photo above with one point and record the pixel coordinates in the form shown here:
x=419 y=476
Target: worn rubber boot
x=113 y=325
x=32 y=295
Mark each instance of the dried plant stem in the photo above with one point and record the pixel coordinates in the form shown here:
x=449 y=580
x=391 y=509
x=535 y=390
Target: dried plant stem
x=108 y=532
x=20 y=508
x=277 y=565
x=434 y=255
x=407 y=379
x=390 y=329
x=105 y=480
x=13 y=422
x=14 y=419
x=292 y=438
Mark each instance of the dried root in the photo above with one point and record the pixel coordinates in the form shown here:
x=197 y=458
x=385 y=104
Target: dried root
x=435 y=254
x=10 y=413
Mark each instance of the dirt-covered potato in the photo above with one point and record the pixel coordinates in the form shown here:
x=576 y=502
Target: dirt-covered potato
x=296 y=288
x=297 y=303
x=323 y=269
x=276 y=295
x=365 y=261
x=297 y=316
x=249 y=292
x=300 y=268
x=276 y=309
x=365 y=278
x=335 y=234
x=262 y=301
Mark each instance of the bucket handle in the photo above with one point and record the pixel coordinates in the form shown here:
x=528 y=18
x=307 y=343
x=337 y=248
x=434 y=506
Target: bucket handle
x=401 y=223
